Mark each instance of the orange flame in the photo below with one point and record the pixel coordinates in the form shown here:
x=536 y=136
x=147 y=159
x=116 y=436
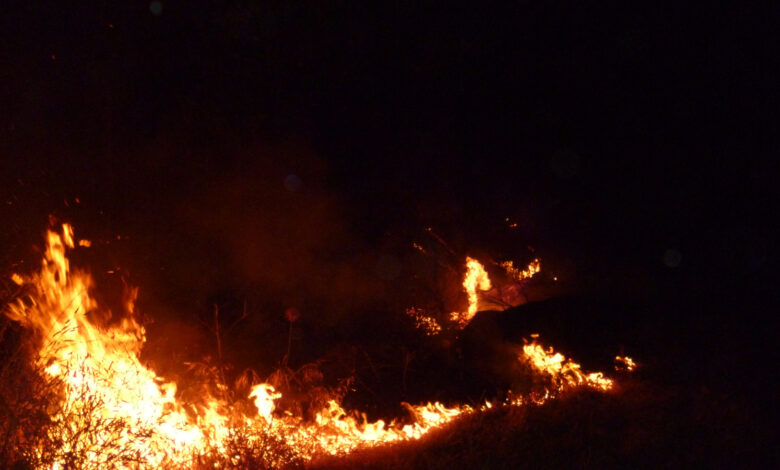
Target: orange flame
x=104 y=381
x=564 y=372
x=476 y=278
x=423 y=322
x=518 y=274
x=624 y=363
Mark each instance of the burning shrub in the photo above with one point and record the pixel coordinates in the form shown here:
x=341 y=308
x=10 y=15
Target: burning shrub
x=42 y=428
x=43 y=425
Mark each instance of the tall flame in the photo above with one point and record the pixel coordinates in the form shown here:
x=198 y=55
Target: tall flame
x=101 y=366
x=476 y=278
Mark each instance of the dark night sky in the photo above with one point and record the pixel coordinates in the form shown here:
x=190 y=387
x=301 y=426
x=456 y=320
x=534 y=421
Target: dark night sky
x=612 y=131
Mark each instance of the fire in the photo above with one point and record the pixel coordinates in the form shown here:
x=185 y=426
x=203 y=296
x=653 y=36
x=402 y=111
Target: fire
x=264 y=396
x=423 y=322
x=118 y=413
x=476 y=278
x=102 y=376
x=520 y=275
x=564 y=372
x=624 y=363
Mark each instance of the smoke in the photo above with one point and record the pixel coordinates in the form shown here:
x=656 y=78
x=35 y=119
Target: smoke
x=262 y=233
x=282 y=229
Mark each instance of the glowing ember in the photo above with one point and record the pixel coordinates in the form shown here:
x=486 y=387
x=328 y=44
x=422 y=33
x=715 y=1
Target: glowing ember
x=423 y=322
x=117 y=413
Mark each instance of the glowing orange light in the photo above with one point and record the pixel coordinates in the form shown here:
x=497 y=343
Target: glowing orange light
x=103 y=380
x=625 y=363
x=476 y=279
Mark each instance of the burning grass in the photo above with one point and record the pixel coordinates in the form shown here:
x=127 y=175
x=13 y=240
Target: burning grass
x=47 y=424
x=75 y=393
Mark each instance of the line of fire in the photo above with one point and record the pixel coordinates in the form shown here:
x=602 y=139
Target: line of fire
x=103 y=407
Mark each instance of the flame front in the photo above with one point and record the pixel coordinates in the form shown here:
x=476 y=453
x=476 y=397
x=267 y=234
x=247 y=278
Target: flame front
x=564 y=372
x=110 y=400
